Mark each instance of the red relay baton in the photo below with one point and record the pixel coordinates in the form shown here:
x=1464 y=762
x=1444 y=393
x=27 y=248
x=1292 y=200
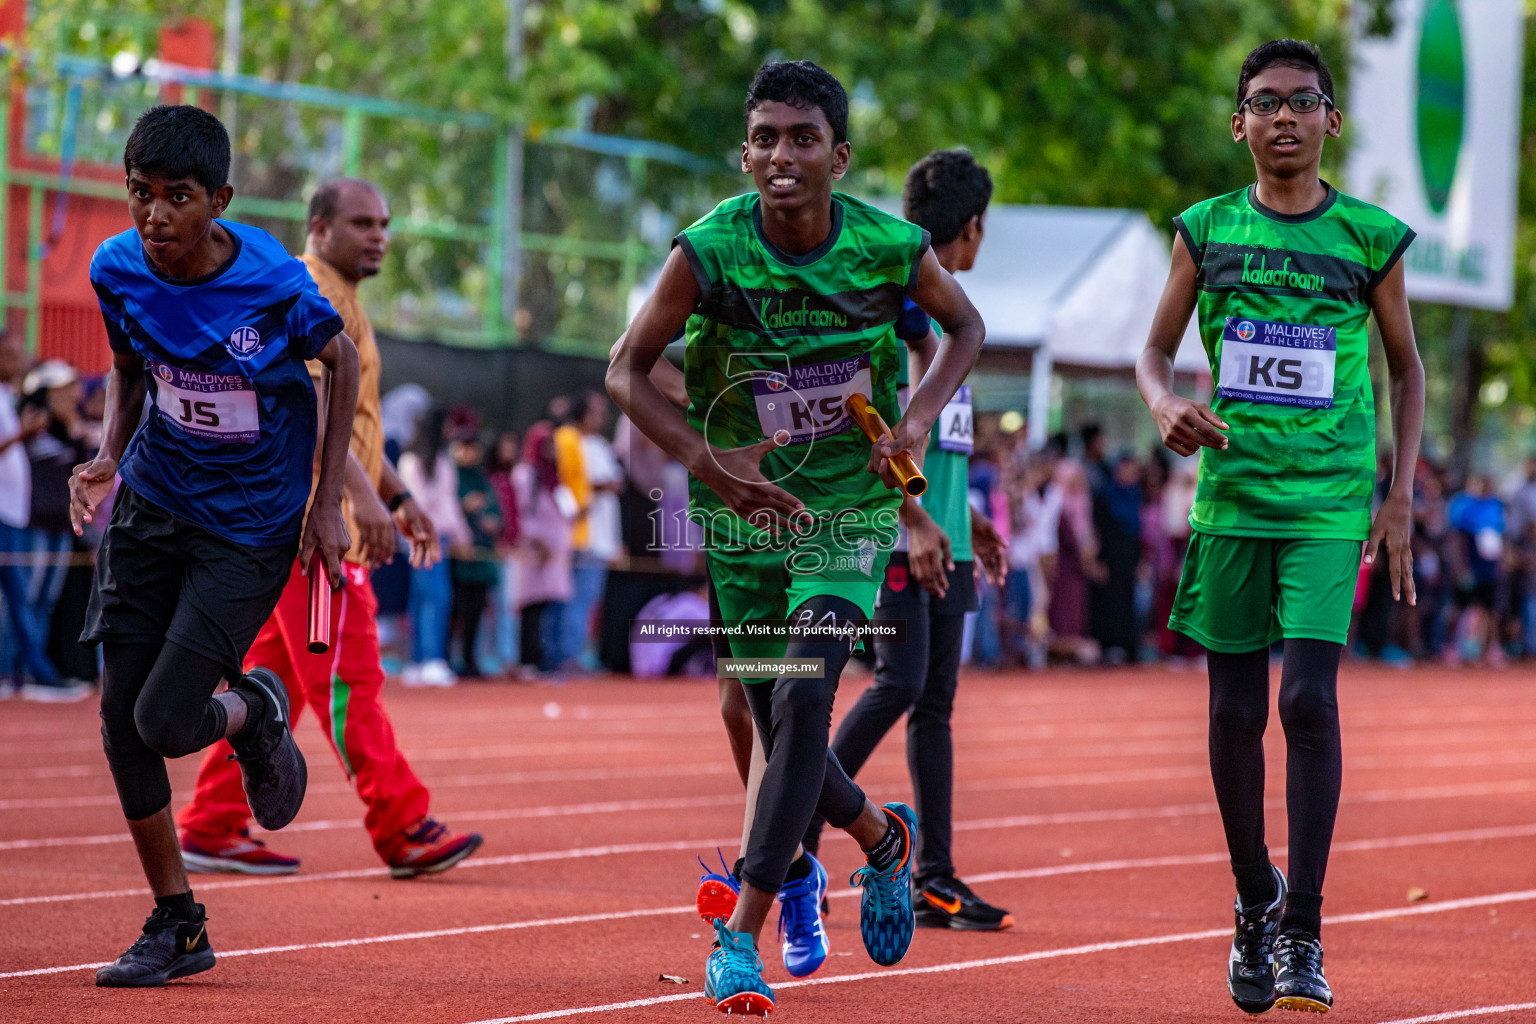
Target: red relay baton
x=319 y=606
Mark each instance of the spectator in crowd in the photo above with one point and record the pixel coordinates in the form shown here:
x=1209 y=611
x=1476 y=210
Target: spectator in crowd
x=504 y=454
x=428 y=472
x=546 y=510
x=22 y=658
x=52 y=454
x=589 y=470
x=1034 y=520
x=473 y=568
x=1178 y=499
x=1077 y=566
x=1432 y=573
x=1117 y=525
x=1477 y=517
x=1522 y=536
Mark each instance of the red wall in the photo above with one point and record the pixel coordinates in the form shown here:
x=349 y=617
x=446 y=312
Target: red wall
x=70 y=322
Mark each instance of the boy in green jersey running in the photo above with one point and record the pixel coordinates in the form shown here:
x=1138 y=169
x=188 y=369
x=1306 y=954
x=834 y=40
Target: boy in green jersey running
x=1283 y=275
x=788 y=296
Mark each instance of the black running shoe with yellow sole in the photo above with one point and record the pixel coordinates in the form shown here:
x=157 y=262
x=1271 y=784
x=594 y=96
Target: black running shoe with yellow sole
x=1251 y=963
x=947 y=902
x=168 y=948
x=271 y=766
x=1299 y=981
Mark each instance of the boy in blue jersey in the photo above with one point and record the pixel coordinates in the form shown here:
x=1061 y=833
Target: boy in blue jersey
x=210 y=322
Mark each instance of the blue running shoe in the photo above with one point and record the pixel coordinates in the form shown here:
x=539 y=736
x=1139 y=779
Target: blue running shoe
x=886 y=921
x=805 y=940
x=717 y=892
x=733 y=975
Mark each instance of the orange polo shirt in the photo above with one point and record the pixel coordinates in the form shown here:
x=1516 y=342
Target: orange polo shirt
x=367 y=423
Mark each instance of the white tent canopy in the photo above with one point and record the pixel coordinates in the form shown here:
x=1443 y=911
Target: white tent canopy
x=1075 y=287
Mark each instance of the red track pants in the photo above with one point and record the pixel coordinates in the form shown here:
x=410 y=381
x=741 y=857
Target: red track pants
x=344 y=687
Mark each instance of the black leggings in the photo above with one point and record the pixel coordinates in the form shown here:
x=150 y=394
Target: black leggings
x=919 y=676
x=1314 y=770
x=469 y=600
x=794 y=719
x=156 y=702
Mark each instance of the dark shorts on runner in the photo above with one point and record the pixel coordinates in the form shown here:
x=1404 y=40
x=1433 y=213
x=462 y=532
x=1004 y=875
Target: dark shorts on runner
x=160 y=577
x=718 y=643
x=901 y=597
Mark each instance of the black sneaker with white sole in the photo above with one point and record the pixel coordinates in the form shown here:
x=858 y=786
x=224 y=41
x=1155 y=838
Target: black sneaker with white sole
x=1299 y=981
x=167 y=948
x=271 y=766
x=1250 y=964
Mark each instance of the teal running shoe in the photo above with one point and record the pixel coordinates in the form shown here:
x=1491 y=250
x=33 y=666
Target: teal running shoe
x=733 y=975
x=805 y=940
x=886 y=920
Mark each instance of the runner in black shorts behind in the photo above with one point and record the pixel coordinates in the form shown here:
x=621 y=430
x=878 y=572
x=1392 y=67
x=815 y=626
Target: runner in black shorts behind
x=930 y=580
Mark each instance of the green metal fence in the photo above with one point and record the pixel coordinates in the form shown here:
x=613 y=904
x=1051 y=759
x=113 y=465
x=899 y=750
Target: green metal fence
x=597 y=210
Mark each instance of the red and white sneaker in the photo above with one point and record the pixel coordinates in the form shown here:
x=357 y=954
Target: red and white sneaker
x=236 y=852
x=427 y=847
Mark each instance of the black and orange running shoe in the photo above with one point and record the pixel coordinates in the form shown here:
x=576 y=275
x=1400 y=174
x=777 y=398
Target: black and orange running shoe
x=168 y=948
x=947 y=902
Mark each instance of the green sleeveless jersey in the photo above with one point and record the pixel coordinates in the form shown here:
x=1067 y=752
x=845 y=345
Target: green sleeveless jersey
x=778 y=343
x=1283 y=304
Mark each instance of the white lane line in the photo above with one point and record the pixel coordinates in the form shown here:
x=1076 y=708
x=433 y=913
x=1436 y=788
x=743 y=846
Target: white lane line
x=1376 y=796
x=1044 y=954
x=1520 y=896
x=1478 y=1011
x=610 y=850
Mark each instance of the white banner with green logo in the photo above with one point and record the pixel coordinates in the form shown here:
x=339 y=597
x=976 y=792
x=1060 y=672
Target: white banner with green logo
x=1433 y=123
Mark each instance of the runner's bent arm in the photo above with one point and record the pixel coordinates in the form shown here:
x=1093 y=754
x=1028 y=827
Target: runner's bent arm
x=1185 y=426
x=666 y=376
x=928 y=550
x=730 y=473
x=91 y=482
x=409 y=518
x=1394 y=521
x=325 y=530
x=941 y=297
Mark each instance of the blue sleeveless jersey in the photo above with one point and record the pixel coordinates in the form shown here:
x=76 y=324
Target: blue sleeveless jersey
x=230 y=439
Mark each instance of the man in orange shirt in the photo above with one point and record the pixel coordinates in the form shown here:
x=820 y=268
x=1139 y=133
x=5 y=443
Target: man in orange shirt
x=348 y=237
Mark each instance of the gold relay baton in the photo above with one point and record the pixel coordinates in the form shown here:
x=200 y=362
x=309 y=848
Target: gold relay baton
x=912 y=481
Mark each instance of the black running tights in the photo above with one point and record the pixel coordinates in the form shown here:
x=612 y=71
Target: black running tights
x=1309 y=713
x=794 y=719
x=156 y=702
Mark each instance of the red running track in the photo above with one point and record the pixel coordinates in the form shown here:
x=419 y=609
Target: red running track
x=1083 y=805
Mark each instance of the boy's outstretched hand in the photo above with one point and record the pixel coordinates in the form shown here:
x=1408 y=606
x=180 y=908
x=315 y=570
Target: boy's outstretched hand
x=89 y=486
x=1394 y=525
x=1188 y=426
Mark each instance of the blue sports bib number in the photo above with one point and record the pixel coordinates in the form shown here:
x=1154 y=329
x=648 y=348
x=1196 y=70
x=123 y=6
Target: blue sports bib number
x=1277 y=363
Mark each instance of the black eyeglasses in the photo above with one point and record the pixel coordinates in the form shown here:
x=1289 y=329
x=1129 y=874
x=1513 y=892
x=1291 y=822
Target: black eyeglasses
x=1267 y=103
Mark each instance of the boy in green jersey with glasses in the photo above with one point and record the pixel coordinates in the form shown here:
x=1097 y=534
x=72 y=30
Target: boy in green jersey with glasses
x=789 y=296
x=1283 y=275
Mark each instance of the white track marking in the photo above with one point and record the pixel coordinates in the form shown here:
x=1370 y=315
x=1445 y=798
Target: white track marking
x=1044 y=954
x=1375 y=796
x=1480 y=1011
x=1520 y=896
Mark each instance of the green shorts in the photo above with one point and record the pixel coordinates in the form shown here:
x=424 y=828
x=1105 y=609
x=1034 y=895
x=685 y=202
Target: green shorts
x=770 y=584
x=1239 y=594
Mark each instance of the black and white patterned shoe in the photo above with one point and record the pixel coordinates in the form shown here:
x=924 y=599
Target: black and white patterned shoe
x=1250 y=964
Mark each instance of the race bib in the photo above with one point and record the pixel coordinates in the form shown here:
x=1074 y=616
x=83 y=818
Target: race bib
x=954 y=426
x=216 y=406
x=1277 y=363
x=810 y=401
